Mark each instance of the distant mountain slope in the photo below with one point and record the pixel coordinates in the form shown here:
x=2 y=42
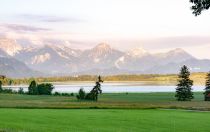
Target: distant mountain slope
x=101 y=56
x=14 y=68
x=50 y=59
x=136 y=60
x=194 y=65
x=58 y=58
x=173 y=56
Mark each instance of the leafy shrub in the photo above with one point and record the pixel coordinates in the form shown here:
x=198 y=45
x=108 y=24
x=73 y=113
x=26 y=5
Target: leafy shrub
x=63 y=94
x=81 y=94
x=20 y=91
x=10 y=91
x=72 y=94
x=57 y=94
x=45 y=89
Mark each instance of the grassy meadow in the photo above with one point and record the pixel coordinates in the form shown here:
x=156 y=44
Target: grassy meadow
x=102 y=120
x=108 y=101
x=144 y=112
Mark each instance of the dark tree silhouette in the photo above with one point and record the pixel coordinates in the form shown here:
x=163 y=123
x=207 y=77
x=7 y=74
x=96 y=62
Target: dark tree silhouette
x=207 y=88
x=199 y=6
x=184 y=86
x=93 y=95
x=1 y=86
x=32 y=89
x=45 y=88
x=81 y=94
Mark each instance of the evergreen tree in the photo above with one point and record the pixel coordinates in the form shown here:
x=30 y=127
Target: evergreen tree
x=93 y=95
x=1 y=86
x=32 y=89
x=207 y=88
x=184 y=86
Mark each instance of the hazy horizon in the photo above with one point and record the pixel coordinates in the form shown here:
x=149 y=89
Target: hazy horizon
x=157 y=26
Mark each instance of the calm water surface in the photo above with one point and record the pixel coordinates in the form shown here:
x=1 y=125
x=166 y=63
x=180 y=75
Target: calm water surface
x=110 y=87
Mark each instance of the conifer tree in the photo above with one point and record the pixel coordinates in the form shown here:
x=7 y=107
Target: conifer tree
x=32 y=89
x=184 y=86
x=1 y=86
x=207 y=88
x=93 y=95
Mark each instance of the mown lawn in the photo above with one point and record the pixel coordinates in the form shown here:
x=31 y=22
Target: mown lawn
x=114 y=100
x=103 y=120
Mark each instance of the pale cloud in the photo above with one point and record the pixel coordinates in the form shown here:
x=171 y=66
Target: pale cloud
x=124 y=24
x=23 y=28
x=50 y=18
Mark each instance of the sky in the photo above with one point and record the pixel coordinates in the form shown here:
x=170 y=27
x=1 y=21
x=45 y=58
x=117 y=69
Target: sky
x=154 y=25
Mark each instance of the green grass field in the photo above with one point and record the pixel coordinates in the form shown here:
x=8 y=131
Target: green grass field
x=118 y=100
x=102 y=120
x=158 y=112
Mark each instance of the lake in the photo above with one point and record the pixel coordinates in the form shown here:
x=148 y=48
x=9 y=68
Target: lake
x=110 y=87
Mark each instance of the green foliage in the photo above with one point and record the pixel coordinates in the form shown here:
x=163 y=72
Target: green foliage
x=20 y=91
x=32 y=89
x=207 y=88
x=199 y=6
x=63 y=94
x=45 y=89
x=9 y=91
x=184 y=86
x=40 y=89
x=81 y=94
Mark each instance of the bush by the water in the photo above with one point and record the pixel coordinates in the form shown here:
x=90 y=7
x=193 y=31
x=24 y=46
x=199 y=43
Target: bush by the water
x=21 y=91
x=45 y=89
x=40 y=89
x=81 y=94
x=63 y=94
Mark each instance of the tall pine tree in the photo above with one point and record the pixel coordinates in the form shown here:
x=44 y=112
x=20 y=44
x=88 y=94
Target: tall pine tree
x=1 y=86
x=207 y=88
x=32 y=89
x=184 y=86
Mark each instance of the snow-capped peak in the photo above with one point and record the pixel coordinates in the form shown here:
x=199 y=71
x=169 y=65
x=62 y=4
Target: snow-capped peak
x=177 y=50
x=9 y=46
x=138 y=52
x=103 y=46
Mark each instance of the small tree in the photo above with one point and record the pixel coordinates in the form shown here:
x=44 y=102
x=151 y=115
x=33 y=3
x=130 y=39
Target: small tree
x=1 y=86
x=93 y=95
x=81 y=94
x=32 y=89
x=207 y=88
x=184 y=86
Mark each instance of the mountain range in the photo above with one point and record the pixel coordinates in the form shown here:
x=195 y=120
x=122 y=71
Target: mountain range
x=17 y=60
